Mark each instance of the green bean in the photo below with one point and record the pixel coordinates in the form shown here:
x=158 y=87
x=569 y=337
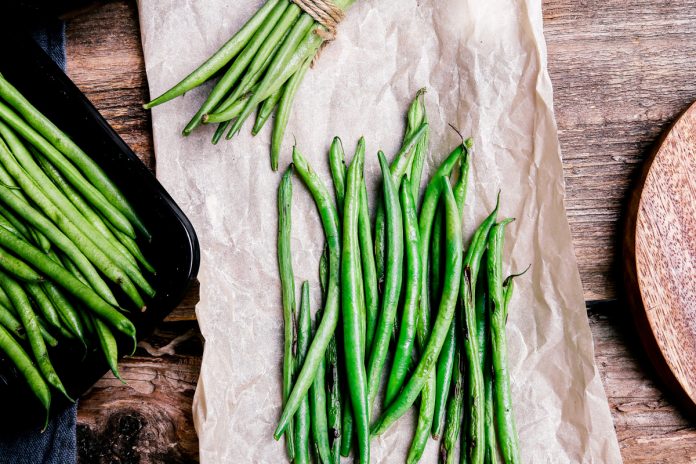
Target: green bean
x=53 y=203
x=216 y=62
x=224 y=118
x=4 y=299
x=21 y=303
x=476 y=387
x=329 y=320
x=353 y=340
x=455 y=406
x=34 y=235
x=287 y=286
x=44 y=305
x=94 y=196
x=398 y=169
x=266 y=110
x=284 y=110
x=108 y=345
x=445 y=315
x=436 y=257
x=445 y=365
x=72 y=151
x=337 y=164
x=302 y=416
x=262 y=57
x=21 y=360
x=17 y=267
x=507 y=433
x=73 y=247
x=428 y=209
x=318 y=410
x=62 y=277
x=416 y=117
x=89 y=214
x=369 y=270
x=45 y=334
x=66 y=310
x=333 y=386
x=238 y=65
x=407 y=331
x=10 y=222
x=10 y=322
x=219 y=131
x=334 y=398
x=348 y=435
x=443 y=378
x=393 y=278
x=301 y=43
x=132 y=247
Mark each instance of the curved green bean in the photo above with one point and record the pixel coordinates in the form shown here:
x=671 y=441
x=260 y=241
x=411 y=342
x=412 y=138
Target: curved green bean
x=10 y=322
x=18 y=268
x=398 y=169
x=407 y=329
x=287 y=288
x=329 y=320
x=445 y=365
x=302 y=416
x=352 y=329
x=265 y=110
x=369 y=271
x=507 y=433
x=107 y=341
x=445 y=315
x=337 y=164
x=392 y=281
x=284 y=110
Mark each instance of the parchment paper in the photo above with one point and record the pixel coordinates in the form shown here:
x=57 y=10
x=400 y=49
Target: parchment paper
x=484 y=65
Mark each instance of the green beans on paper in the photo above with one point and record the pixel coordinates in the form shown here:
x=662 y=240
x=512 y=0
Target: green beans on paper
x=70 y=259
x=262 y=65
x=438 y=343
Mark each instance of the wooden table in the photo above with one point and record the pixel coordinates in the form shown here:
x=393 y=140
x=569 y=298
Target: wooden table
x=622 y=71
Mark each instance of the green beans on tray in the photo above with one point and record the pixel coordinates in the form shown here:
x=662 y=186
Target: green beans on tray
x=420 y=314
x=264 y=64
x=70 y=264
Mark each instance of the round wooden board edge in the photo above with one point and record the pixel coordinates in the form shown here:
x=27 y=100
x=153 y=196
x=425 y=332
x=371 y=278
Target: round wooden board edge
x=631 y=284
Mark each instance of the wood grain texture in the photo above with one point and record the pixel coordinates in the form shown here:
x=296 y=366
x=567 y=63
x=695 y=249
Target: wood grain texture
x=660 y=257
x=622 y=71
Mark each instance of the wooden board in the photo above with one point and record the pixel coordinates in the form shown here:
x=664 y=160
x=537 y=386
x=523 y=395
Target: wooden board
x=622 y=71
x=660 y=258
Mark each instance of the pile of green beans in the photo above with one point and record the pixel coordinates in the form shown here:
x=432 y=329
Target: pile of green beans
x=262 y=67
x=70 y=263
x=453 y=357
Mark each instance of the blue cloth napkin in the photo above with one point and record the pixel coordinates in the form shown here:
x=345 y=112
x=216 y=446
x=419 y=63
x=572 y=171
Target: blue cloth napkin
x=57 y=444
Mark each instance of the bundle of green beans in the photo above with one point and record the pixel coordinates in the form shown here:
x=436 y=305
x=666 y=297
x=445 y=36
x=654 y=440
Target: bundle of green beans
x=70 y=264
x=264 y=64
x=378 y=294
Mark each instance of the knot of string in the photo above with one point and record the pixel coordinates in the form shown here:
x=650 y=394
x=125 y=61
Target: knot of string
x=325 y=12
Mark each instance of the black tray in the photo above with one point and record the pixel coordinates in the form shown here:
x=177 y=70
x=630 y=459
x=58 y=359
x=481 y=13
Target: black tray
x=173 y=251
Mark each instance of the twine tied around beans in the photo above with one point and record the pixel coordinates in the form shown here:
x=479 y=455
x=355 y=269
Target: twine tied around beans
x=326 y=13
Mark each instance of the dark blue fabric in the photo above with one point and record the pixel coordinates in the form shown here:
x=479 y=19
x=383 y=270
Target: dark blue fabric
x=57 y=444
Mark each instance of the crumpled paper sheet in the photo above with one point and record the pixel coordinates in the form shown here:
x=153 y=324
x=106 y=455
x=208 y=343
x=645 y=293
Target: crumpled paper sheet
x=484 y=65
